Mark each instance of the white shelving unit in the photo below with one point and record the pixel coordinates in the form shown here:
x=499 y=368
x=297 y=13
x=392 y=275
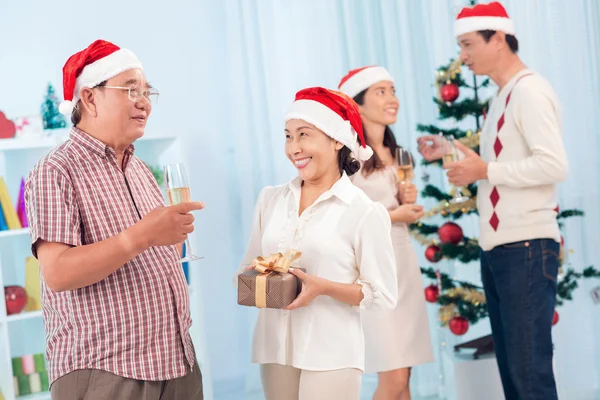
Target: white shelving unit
x=23 y=334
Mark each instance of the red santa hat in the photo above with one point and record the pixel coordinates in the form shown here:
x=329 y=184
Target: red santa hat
x=360 y=79
x=98 y=62
x=481 y=17
x=335 y=114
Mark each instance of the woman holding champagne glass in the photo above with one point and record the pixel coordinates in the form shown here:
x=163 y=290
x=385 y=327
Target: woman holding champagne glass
x=398 y=339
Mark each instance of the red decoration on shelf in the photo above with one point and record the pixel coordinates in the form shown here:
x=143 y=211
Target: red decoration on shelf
x=7 y=127
x=16 y=298
x=433 y=253
x=458 y=325
x=449 y=92
x=450 y=233
x=555 y=318
x=432 y=293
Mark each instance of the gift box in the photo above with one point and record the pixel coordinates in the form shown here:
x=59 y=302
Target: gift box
x=269 y=284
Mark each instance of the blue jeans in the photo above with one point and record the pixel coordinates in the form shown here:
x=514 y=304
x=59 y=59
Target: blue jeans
x=520 y=287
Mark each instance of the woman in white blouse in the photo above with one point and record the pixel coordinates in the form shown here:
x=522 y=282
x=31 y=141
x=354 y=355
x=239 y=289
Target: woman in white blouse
x=399 y=339
x=314 y=349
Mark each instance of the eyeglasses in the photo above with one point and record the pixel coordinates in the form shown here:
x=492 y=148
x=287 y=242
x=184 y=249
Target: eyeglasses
x=136 y=94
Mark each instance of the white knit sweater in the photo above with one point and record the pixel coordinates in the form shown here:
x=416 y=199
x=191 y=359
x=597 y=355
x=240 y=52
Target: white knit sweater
x=522 y=141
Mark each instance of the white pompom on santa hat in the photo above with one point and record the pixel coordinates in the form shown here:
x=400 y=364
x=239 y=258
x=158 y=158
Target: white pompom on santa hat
x=492 y=16
x=335 y=114
x=91 y=66
x=362 y=78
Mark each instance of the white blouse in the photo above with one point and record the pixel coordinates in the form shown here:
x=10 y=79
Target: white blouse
x=344 y=237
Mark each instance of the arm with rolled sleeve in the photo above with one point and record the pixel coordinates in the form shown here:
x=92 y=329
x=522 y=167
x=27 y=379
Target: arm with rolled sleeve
x=55 y=225
x=52 y=210
x=537 y=113
x=376 y=261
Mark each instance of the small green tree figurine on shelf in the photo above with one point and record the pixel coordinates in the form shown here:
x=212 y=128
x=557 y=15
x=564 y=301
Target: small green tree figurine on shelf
x=52 y=118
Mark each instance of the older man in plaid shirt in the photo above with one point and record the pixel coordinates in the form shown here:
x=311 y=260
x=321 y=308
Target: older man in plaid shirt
x=115 y=300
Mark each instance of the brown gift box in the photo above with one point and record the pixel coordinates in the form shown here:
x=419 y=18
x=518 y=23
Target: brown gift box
x=269 y=285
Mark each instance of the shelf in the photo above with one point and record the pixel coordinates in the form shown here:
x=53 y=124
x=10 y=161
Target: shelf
x=14 y=232
x=24 y=315
x=35 y=396
x=56 y=137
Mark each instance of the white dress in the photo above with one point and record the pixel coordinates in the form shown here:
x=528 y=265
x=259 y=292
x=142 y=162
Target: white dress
x=344 y=237
x=399 y=338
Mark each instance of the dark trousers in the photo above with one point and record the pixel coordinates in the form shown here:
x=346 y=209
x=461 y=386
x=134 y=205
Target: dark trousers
x=520 y=287
x=95 y=384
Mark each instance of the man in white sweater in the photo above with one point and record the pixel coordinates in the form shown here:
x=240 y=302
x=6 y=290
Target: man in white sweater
x=522 y=160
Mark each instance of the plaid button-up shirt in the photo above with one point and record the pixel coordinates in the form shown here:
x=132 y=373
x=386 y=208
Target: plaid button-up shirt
x=134 y=323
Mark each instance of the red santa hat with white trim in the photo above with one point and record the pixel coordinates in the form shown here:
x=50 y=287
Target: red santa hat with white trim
x=492 y=16
x=335 y=114
x=361 y=79
x=98 y=62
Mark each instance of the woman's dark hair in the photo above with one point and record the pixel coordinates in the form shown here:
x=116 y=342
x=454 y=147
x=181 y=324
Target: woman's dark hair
x=511 y=40
x=76 y=114
x=389 y=141
x=346 y=162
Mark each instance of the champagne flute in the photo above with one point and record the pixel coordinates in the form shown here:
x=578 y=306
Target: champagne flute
x=450 y=154
x=178 y=191
x=405 y=170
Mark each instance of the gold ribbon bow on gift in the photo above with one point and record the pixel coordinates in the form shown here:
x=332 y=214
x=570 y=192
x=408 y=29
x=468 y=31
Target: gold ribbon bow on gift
x=276 y=262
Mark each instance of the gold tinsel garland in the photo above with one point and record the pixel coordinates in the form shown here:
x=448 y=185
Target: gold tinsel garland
x=447 y=312
x=471 y=140
x=445 y=207
x=443 y=77
x=472 y=296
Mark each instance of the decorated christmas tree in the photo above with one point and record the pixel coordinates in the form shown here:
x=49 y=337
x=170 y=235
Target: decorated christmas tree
x=52 y=118
x=463 y=303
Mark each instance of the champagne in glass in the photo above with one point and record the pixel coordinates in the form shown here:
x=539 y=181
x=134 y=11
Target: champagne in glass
x=405 y=170
x=178 y=191
x=450 y=154
x=448 y=158
x=178 y=195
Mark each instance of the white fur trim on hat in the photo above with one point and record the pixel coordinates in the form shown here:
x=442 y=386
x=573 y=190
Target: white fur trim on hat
x=103 y=69
x=330 y=123
x=474 y=24
x=363 y=79
x=66 y=107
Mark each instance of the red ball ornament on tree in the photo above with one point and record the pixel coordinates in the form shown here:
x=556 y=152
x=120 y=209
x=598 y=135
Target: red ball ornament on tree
x=450 y=233
x=16 y=298
x=433 y=253
x=432 y=293
x=449 y=92
x=458 y=325
x=555 y=318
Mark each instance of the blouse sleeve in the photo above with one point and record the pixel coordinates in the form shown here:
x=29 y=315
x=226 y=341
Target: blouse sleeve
x=376 y=262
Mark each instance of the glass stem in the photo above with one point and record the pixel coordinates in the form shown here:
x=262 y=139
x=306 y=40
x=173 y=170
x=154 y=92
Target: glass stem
x=188 y=248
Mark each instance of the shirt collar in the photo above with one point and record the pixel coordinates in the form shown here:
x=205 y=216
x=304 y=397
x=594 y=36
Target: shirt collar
x=342 y=189
x=94 y=145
